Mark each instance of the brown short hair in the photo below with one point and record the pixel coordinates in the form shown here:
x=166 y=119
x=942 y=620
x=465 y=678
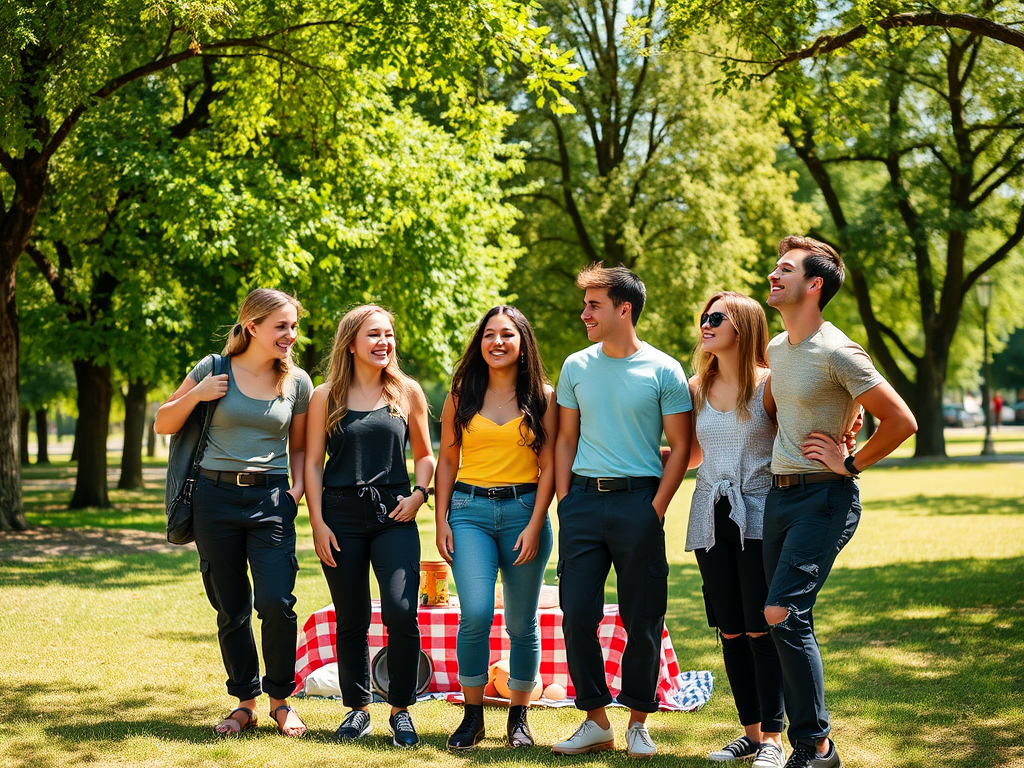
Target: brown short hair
x=822 y=260
x=620 y=283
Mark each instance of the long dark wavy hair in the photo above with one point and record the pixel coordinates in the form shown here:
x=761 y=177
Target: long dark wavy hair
x=469 y=382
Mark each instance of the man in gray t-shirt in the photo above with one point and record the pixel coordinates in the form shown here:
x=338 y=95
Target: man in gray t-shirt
x=820 y=380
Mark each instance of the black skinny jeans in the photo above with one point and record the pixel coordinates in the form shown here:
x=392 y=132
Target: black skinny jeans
x=252 y=526
x=393 y=549
x=735 y=591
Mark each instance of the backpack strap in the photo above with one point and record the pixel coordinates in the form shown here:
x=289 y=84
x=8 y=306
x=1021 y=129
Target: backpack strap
x=220 y=366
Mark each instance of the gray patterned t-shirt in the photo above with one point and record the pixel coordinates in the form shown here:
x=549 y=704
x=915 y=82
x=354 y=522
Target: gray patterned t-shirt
x=737 y=454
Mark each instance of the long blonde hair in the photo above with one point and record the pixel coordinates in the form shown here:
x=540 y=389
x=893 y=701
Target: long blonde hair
x=398 y=386
x=747 y=317
x=255 y=308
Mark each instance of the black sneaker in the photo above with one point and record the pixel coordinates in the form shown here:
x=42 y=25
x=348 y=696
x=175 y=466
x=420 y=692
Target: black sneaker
x=355 y=725
x=403 y=729
x=805 y=756
x=742 y=748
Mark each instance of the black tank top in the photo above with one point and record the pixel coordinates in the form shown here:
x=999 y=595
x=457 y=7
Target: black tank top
x=367 y=448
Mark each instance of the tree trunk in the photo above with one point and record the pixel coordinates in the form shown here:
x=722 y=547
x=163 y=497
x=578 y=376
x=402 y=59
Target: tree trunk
x=151 y=433
x=23 y=418
x=42 y=452
x=94 y=393
x=134 y=427
x=12 y=512
x=927 y=408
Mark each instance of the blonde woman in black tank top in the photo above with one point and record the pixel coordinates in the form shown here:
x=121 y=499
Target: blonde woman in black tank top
x=363 y=510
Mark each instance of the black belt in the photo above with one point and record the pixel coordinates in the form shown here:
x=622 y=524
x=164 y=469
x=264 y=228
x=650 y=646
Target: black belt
x=808 y=478
x=498 y=491
x=242 y=478
x=606 y=484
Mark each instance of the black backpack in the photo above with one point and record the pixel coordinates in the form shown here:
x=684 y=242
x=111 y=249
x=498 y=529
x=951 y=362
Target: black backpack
x=186 y=452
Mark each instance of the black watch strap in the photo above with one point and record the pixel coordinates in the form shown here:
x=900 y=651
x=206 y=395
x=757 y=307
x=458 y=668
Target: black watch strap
x=850 y=466
x=424 y=491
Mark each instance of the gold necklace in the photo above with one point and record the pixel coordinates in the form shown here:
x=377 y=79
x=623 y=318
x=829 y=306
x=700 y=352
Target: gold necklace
x=366 y=396
x=513 y=397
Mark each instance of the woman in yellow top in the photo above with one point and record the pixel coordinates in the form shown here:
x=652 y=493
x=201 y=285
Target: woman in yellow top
x=497 y=436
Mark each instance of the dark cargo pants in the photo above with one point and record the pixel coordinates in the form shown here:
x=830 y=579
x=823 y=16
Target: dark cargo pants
x=598 y=530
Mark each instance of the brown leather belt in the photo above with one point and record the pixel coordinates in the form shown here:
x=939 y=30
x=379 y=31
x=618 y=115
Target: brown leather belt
x=242 y=478
x=788 y=481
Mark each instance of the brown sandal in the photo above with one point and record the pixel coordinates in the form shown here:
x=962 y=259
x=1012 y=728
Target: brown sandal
x=280 y=728
x=248 y=725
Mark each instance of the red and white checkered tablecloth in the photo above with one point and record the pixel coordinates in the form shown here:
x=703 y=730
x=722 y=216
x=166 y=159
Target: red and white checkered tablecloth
x=439 y=628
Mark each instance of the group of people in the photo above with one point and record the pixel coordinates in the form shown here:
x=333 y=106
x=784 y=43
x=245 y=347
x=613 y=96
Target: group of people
x=769 y=424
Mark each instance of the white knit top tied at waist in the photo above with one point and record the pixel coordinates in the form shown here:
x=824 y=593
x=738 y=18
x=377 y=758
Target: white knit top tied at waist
x=736 y=466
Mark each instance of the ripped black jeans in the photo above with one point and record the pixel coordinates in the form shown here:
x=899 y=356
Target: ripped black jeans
x=250 y=528
x=805 y=527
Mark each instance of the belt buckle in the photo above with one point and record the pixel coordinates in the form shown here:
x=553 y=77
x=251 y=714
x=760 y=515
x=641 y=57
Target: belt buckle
x=498 y=492
x=600 y=487
x=238 y=479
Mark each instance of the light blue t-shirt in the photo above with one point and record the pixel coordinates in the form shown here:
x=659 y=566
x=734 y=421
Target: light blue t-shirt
x=621 y=402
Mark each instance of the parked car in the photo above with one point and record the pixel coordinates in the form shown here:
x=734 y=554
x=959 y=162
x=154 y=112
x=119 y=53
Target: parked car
x=958 y=416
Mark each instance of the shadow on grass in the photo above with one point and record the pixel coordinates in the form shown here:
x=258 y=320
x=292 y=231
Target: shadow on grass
x=103 y=572
x=920 y=649
x=951 y=505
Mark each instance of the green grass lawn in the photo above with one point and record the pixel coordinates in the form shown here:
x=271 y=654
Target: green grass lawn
x=113 y=660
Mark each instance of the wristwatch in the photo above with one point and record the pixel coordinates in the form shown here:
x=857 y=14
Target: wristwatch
x=850 y=466
x=424 y=491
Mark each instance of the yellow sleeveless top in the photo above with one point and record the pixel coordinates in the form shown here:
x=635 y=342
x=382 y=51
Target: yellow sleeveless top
x=493 y=455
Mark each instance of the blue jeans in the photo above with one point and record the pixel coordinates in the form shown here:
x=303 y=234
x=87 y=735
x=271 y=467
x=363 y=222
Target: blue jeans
x=483 y=534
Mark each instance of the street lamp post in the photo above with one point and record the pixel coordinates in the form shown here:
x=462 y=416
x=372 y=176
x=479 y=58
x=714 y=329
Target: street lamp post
x=984 y=289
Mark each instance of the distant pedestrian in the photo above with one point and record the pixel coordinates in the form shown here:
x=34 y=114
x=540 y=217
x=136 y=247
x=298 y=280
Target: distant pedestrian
x=997 y=409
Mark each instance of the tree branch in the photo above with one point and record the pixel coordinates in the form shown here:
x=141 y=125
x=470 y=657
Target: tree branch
x=49 y=273
x=1001 y=253
x=160 y=64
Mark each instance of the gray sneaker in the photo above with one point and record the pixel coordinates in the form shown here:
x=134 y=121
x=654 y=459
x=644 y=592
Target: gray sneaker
x=742 y=748
x=769 y=756
x=805 y=756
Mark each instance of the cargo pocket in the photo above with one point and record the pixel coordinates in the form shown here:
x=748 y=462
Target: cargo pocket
x=806 y=576
x=211 y=593
x=656 y=600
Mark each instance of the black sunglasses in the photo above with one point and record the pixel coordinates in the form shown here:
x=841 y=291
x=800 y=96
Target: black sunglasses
x=713 y=320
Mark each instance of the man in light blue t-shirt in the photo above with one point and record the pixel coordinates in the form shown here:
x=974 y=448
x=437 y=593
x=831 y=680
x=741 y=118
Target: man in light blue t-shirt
x=616 y=398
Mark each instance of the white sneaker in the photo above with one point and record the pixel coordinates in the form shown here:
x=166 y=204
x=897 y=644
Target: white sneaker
x=638 y=741
x=769 y=756
x=589 y=737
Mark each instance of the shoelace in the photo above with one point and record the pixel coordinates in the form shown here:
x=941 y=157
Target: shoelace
x=642 y=734
x=801 y=757
x=403 y=722
x=356 y=719
x=584 y=728
x=770 y=752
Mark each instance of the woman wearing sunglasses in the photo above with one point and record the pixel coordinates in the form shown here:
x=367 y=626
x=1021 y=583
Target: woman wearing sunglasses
x=734 y=431
x=363 y=512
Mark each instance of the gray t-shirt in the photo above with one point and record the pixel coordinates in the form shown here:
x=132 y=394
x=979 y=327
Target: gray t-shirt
x=621 y=402
x=815 y=384
x=249 y=435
